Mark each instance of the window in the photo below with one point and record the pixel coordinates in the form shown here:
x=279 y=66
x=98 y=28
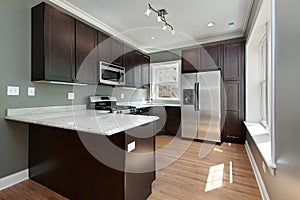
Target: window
x=165 y=81
x=263 y=83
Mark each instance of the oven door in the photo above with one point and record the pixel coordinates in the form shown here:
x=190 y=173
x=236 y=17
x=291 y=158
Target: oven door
x=111 y=75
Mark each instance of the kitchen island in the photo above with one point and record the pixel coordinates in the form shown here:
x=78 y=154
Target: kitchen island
x=86 y=154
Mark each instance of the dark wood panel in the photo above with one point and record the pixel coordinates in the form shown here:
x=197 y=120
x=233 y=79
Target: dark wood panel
x=232 y=95
x=59 y=45
x=145 y=71
x=137 y=68
x=86 y=54
x=116 y=52
x=128 y=64
x=232 y=61
x=233 y=127
x=160 y=112
x=59 y=160
x=190 y=60
x=104 y=47
x=210 y=57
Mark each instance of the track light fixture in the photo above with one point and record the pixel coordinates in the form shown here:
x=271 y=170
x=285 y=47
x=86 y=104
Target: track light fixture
x=161 y=17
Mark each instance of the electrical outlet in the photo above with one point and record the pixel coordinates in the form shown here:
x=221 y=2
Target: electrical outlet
x=71 y=96
x=31 y=91
x=12 y=90
x=131 y=146
x=263 y=165
x=122 y=96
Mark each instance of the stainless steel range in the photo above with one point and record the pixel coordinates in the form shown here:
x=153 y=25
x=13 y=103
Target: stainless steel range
x=108 y=103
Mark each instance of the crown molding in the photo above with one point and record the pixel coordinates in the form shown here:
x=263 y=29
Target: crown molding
x=77 y=12
x=193 y=43
x=247 y=18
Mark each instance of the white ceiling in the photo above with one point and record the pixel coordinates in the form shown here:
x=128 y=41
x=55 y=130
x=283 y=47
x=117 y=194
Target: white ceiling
x=126 y=19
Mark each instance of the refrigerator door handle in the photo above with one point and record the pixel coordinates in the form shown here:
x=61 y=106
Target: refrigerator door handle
x=198 y=97
x=195 y=97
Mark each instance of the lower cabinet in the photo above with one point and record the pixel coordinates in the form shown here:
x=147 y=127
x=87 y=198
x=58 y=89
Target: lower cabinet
x=173 y=122
x=169 y=122
x=89 y=166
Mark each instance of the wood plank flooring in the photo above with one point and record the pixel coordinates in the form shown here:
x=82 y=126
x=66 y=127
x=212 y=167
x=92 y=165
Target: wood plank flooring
x=190 y=177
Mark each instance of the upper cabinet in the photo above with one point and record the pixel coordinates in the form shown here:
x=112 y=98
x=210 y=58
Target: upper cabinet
x=232 y=61
x=86 y=54
x=190 y=60
x=53 y=45
x=67 y=50
x=204 y=58
x=110 y=49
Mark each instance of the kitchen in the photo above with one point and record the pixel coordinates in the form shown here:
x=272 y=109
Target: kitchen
x=16 y=69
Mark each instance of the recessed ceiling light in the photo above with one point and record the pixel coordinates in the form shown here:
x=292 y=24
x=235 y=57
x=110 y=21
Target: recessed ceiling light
x=231 y=24
x=210 y=24
x=152 y=38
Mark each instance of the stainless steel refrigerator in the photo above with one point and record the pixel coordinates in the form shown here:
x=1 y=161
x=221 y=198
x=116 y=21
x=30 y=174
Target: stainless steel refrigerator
x=201 y=105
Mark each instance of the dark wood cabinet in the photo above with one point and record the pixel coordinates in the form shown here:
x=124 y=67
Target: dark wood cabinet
x=104 y=47
x=145 y=71
x=190 y=60
x=173 y=121
x=160 y=112
x=233 y=111
x=228 y=56
x=210 y=57
x=53 y=45
x=109 y=49
x=86 y=54
x=232 y=61
x=137 y=68
x=116 y=52
x=128 y=64
x=204 y=58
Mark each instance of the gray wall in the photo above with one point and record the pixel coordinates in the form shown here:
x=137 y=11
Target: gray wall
x=164 y=56
x=285 y=185
x=15 y=65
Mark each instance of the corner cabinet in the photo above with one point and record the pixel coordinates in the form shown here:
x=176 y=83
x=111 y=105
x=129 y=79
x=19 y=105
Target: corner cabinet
x=53 y=45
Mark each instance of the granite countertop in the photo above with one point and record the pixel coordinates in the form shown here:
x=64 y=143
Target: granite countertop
x=142 y=104
x=78 y=118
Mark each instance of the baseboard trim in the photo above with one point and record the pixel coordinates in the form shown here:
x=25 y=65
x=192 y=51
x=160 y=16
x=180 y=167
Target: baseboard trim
x=13 y=179
x=260 y=182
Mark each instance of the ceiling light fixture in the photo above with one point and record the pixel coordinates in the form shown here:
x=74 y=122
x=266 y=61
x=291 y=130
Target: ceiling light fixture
x=161 y=17
x=210 y=24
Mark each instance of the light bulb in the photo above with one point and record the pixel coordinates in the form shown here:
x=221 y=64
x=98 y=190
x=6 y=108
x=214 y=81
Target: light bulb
x=148 y=11
x=173 y=32
x=164 y=27
x=158 y=18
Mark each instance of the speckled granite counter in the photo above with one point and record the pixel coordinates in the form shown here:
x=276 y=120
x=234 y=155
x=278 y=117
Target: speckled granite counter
x=78 y=118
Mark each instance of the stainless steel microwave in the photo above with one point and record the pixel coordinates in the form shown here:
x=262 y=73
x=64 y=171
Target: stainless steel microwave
x=111 y=74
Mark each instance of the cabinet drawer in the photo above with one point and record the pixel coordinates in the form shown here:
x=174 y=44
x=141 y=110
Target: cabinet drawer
x=173 y=112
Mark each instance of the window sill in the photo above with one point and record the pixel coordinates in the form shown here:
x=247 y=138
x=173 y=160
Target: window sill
x=262 y=139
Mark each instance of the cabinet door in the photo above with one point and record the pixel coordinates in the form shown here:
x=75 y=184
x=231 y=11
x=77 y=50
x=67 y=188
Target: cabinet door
x=173 y=123
x=104 y=47
x=137 y=68
x=232 y=61
x=160 y=112
x=86 y=54
x=128 y=64
x=145 y=71
x=210 y=57
x=234 y=110
x=59 y=44
x=116 y=52
x=190 y=60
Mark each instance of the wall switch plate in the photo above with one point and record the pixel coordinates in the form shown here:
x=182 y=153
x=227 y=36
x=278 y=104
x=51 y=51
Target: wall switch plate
x=31 y=91
x=12 y=90
x=122 y=96
x=71 y=96
x=131 y=146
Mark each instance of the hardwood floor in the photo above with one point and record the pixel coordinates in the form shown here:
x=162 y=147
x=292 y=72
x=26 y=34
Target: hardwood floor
x=189 y=177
